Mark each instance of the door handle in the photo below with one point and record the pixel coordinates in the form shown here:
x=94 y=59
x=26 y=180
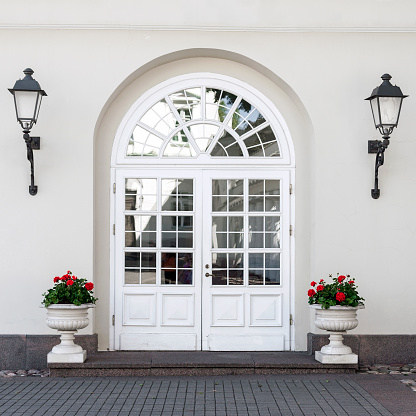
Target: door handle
x=208 y=274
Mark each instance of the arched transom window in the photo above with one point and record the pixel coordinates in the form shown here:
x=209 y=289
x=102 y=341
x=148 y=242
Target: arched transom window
x=218 y=117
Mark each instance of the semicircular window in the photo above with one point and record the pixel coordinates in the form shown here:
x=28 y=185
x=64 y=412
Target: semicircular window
x=203 y=119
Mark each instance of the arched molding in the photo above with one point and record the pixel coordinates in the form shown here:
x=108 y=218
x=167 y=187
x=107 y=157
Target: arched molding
x=227 y=63
x=206 y=53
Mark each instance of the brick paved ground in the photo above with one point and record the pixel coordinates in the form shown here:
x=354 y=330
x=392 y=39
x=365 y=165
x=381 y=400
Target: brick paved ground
x=209 y=396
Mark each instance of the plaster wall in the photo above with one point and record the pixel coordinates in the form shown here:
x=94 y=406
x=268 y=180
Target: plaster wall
x=216 y=14
x=318 y=80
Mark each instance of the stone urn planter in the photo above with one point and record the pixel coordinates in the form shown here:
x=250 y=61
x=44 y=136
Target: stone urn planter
x=67 y=319
x=337 y=320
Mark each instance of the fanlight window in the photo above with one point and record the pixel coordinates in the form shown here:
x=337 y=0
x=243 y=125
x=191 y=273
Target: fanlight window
x=199 y=120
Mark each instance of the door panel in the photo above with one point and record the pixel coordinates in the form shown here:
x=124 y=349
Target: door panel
x=202 y=260
x=246 y=258
x=158 y=295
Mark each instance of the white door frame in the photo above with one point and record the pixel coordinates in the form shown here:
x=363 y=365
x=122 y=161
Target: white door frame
x=202 y=291
x=119 y=159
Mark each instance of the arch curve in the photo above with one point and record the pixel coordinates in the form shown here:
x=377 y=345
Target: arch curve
x=241 y=118
x=191 y=53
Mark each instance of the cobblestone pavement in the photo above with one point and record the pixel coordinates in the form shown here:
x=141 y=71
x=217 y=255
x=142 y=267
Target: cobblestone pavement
x=394 y=369
x=273 y=395
x=406 y=370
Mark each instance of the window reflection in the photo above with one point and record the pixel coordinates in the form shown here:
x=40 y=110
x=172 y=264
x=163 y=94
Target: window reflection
x=218 y=104
x=203 y=134
x=177 y=268
x=179 y=146
x=140 y=231
x=143 y=143
x=177 y=195
x=140 y=268
x=188 y=103
x=172 y=122
x=140 y=194
x=227 y=146
x=227 y=268
x=246 y=118
x=264 y=268
x=225 y=195
x=233 y=263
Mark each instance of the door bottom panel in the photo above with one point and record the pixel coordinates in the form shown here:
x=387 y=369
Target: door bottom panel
x=162 y=342
x=259 y=342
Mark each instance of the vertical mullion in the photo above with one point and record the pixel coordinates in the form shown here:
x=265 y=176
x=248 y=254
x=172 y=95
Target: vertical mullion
x=140 y=267
x=203 y=93
x=245 y=225
x=158 y=231
x=228 y=229
x=176 y=267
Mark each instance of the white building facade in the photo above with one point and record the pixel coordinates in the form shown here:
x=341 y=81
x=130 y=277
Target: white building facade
x=203 y=163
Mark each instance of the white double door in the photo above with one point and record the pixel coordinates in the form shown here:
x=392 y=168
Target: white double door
x=202 y=260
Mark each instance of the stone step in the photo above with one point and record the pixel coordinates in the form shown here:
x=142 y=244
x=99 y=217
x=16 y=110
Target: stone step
x=198 y=363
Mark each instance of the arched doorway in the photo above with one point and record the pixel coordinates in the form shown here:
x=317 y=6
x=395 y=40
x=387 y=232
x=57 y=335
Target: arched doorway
x=202 y=166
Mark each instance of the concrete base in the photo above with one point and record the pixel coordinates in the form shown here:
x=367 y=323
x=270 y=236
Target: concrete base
x=373 y=349
x=336 y=358
x=26 y=352
x=78 y=357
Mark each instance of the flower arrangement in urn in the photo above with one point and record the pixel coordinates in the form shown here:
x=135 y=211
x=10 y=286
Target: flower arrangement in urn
x=336 y=306
x=342 y=291
x=67 y=305
x=69 y=289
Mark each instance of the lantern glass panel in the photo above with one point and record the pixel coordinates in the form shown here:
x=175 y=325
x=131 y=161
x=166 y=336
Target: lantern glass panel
x=26 y=102
x=374 y=109
x=38 y=107
x=389 y=110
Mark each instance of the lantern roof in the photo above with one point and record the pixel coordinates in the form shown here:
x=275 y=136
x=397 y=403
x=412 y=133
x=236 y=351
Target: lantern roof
x=27 y=83
x=386 y=89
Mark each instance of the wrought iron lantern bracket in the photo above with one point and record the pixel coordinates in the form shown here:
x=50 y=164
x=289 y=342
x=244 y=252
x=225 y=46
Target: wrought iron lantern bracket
x=386 y=102
x=27 y=95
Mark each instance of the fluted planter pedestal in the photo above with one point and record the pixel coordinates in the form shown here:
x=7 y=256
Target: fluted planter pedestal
x=337 y=320
x=67 y=319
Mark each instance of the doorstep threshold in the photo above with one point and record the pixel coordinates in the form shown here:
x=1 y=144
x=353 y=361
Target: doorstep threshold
x=198 y=363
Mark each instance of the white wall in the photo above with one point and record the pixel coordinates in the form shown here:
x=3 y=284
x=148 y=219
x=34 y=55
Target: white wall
x=215 y=14
x=317 y=76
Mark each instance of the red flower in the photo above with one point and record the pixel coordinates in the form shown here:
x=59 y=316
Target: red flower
x=351 y=282
x=89 y=286
x=340 y=278
x=313 y=283
x=321 y=281
x=74 y=278
x=319 y=288
x=311 y=292
x=340 y=296
x=55 y=279
x=69 y=272
x=69 y=283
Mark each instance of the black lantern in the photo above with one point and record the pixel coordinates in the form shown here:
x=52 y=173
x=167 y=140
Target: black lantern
x=386 y=103
x=27 y=95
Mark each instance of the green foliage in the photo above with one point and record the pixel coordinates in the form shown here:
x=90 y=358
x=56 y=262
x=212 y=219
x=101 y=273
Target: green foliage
x=342 y=291
x=69 y=289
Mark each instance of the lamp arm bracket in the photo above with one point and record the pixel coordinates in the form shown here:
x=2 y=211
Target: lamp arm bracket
x=375 y=192
x=33 y=189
